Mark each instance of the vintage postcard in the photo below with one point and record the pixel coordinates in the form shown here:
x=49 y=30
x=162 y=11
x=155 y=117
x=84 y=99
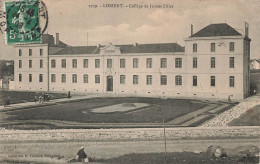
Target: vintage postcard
x=129 y=81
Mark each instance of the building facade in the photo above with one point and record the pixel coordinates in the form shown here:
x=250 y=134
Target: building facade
x=213 y=64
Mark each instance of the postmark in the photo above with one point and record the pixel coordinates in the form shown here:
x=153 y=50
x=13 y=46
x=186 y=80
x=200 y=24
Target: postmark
x=24 y=21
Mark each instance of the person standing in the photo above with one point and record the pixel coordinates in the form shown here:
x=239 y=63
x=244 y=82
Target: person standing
x=81 y=155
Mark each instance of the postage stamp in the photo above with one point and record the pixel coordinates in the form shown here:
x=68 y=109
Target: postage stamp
x=23 y=21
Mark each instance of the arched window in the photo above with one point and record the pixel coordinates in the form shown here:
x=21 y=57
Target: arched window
x=85 y=78
x=74 y=78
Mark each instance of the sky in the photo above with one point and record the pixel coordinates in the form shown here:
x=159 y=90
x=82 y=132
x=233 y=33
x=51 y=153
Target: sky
x=80 y=25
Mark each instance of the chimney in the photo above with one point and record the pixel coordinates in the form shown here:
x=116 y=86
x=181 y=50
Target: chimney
x=135 y=44
x=57 y=38
x=246 y=29
x=191 y=29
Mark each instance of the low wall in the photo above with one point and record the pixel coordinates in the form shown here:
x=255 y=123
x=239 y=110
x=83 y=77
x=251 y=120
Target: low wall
x=128 y=134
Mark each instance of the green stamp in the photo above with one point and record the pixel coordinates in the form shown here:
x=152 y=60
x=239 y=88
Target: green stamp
x=22 y=22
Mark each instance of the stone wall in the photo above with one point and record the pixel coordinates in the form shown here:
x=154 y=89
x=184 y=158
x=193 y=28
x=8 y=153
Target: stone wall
x=128 y=134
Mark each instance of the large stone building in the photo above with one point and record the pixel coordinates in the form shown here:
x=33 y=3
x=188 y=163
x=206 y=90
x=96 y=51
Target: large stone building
x=213 y=64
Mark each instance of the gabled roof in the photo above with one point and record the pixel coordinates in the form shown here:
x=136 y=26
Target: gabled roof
x=138 y=48
x=257 y=60
x=222 y=29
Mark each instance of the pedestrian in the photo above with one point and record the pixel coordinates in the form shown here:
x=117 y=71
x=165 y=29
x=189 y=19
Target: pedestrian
x=229 y=98
x=8 y=102
x=81 y=155
x=35 y=99
x=69 y=95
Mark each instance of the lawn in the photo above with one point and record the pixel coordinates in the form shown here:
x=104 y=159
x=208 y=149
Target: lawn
x=20 y=96
x=249 y=118
x=81 y=111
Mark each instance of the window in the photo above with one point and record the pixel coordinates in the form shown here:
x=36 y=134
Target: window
x=109 y=63
x=122 y=79
x=63 y=78
x=97 y=79
x=63 y=63
x=30 y=63
x=231 y=62
x=163 y=63
x=212 y=47
x=85 y=78
x=135 y=63
x=41 y=63
x=20 y=52
x=194 y=81
x=30 y=52
x=20 y=63
x=74 y=63
x=195 y=62
x=212 y=81
x=53 y=63
x=20 y=77
x=97 y=63
x=85 y=63
x=195 y=47
x=40 y=78
x=53 y=78
x=178 y=80
x=30 y=77
x=149 y=63
x=122 y=63
x=41 y=52
x=74 y=78
x=231 y=81
x=149 y=79
x=178 y=62
x=135 y=79
x=231 y=46
x=163 y=80
x=212 y=62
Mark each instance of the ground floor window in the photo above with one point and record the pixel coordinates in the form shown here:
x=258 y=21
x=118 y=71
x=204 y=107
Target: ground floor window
x=20 y=77
x=135 y=79
x=212 y=81
x=97 y=79
x=178 y=80
x=122 y=79
x=85 y=78
x=74 y=78
x=149 y=79
x=231 y=81
x=40 y=78
x=163 y=80
x=63 y=78
x=194 y=80
x=53 y=78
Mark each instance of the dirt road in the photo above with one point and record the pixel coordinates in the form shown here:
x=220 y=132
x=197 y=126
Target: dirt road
x=108 y=149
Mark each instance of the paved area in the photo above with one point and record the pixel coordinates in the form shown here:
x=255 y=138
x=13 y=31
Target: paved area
x=226 y=117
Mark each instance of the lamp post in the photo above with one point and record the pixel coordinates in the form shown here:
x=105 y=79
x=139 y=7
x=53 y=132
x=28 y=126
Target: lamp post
x=163 y=99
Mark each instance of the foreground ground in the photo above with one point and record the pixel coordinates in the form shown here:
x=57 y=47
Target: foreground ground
x=130 y=152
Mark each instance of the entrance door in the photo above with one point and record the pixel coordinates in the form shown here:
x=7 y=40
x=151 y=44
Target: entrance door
x=110 y=83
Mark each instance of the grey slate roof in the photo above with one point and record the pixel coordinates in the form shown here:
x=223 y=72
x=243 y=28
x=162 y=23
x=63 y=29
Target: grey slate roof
x=222 y=29
x=49 y=39
x=139 y=48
